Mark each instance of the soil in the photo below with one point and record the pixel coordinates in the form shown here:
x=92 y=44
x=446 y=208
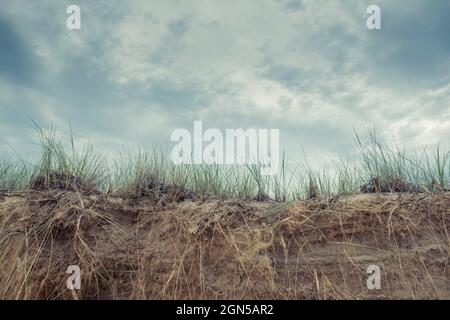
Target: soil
x=132 y=248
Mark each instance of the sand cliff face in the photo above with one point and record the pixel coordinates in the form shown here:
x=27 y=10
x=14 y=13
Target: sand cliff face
x=224 y=249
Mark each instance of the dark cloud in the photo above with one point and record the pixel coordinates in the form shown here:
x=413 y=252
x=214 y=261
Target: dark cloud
x=293 y=4
x=17 y=61
x=413 y=49
x=179 y=26
x=290 y=76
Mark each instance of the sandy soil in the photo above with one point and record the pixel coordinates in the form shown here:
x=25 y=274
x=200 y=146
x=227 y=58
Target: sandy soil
x=144 y=248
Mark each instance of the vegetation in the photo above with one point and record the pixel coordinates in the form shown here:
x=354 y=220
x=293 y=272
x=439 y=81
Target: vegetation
x=377 y=168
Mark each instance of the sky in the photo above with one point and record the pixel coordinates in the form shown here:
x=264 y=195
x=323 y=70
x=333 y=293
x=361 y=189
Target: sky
x=139 y=69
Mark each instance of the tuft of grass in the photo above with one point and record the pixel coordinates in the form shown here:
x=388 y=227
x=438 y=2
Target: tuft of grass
x=425 y=171
x=73 y=167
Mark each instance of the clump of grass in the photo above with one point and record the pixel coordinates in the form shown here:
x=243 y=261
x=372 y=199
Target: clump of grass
x=397 y=170
x=72 y=169
x=136 y=171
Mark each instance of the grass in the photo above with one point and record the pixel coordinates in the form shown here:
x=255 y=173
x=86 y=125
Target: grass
x=427 y=171
x=13 y=176
x=135 y=170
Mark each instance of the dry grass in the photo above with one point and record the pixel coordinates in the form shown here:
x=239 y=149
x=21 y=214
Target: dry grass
x=143 y=248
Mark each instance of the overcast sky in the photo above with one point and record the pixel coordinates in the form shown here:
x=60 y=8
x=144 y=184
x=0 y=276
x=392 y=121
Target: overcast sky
x=139 y=69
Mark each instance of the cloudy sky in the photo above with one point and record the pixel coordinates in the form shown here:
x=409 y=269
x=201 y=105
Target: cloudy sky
x=139 y=69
